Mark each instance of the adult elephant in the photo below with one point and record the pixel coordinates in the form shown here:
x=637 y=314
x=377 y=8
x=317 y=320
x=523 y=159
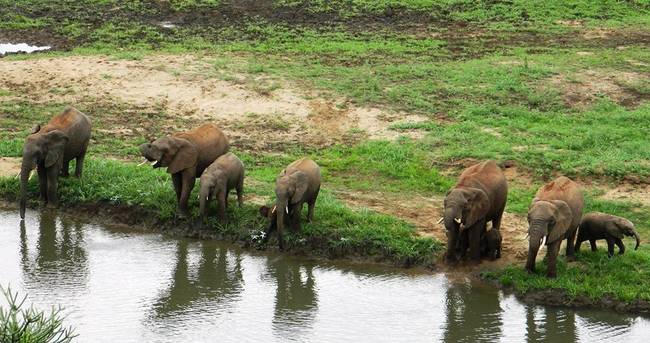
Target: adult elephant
x=479 y=197
x=186 y=155
x=49 y=149
x=554 y=215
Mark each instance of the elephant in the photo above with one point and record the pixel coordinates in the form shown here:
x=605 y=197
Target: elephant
x=49 y=149
x=491 y=243
x=299 y=183
x=554 y=215
x=596 y=225
x=479 y=197
x=224 y=174
x=186 y=155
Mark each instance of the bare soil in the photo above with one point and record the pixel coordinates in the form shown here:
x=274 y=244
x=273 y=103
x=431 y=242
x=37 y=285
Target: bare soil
x=254 y=115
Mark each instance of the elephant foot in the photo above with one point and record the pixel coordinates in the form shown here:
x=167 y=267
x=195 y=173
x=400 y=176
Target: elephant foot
x=530 y=271
x=551 y=275
x=51 y=205
x=570 y=258
x=182 y=214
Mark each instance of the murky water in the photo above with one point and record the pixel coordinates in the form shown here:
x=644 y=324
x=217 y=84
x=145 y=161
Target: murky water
x=6 y=48
x=120 y=285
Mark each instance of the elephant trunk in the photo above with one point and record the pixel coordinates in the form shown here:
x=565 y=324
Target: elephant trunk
x=281 y=210
x=638 y=239
x=537 y=232
x=25 y=171
x=451 y=226
x=204 y=195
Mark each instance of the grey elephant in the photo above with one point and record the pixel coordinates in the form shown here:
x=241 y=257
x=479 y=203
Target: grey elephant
x=223 y=175
x=49 y=149
x=479 y=197
x=596 y=225
x=492 y=244
x=554 y=215
x=186 y=155
x=298 y=184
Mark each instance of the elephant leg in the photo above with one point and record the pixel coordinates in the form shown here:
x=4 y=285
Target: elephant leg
x=240 y=192
x=496 y=222
x=65 y=169
x=295 y=217
x=52 y=175
x=177 y=180
x=188 y=180
x=578 y=244
x=621 y=246
x=310 y=206
x=222 y=205
x=80 y=162
x=592 y=242
x=570 y=245
x=610 y=247
x=552 y=251
x=42 y=182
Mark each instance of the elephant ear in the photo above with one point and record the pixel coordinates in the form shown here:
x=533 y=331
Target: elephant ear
x=614 y=230
x=563 y=219
x=478 y=206
x=55 y=142
x=186 y=156
x=300 y=184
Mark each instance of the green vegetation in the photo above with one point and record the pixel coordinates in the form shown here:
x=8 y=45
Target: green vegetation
x=337 y=232
x=29 y=325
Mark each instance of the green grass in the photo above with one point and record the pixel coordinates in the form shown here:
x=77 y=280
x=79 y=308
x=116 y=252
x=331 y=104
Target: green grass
x=337 y=230
x=626 y=277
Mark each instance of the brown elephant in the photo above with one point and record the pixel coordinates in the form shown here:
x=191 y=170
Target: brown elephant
x=49 y=149
x=554 y=215
x=596 y=225
x=479 y=197
x=223 y=175
x=491 y=244
x=186 y=155
x=299 y=183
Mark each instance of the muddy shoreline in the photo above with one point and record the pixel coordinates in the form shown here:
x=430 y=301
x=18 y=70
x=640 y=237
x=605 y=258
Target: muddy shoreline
x=112 y=214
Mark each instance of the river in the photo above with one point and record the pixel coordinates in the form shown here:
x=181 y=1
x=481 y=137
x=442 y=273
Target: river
x=119 y=284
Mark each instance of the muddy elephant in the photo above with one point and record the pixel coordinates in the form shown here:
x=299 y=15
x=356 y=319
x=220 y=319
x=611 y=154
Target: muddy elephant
x=491 y=244
x=186 y=155
x=49 y=149
x=596 y=225
x=479 y=197
x=223 y=175
x=299 y=183
x=554 y=215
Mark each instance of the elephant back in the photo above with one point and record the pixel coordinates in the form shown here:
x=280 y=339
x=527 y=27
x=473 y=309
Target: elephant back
x=488 y=177
x=211 y=143
x=566 y=190
x=76 y=127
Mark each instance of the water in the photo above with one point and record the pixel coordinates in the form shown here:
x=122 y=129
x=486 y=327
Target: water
x=6 y=48
x=121 y=285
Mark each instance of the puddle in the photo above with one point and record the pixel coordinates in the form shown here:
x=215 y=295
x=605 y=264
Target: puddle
x=9 y=48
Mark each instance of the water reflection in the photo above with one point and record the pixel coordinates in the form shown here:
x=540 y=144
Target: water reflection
x=296 y=300
x=549 y=324
x=58 y=261
x=472 y=315
x=214 y=280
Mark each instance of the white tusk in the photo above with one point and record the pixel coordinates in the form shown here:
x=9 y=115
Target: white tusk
x=17 y=175
x=543 y=240
x=31 y=173
x=440 y=220
x=274 y=209
x=154 y=162
x=207 y=198
x=457 y=220
x=287 y=209
x=143 y=162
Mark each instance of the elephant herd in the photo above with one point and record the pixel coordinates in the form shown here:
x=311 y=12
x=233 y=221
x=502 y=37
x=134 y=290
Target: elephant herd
x=479 y=197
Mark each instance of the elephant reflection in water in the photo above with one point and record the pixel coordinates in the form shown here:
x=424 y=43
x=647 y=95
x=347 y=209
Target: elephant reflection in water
x=548 y=324
x=213 y=281
x=58 y=258
x=296 y=301
x=472 y=316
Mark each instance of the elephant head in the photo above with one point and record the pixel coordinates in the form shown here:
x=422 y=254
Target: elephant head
x=548 y=220
x=290 y=189
x=211 y=186
x=621 y=226
x=46 y=150
x=174 y=153
x=464 y=207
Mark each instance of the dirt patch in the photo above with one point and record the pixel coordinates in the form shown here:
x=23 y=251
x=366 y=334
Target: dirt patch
x=583 y=89
x=259 y=116
x=10 y=166
x=635 y=193
x=424 y=213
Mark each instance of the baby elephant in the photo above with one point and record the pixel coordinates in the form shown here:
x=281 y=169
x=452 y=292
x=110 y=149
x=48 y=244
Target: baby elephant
x=492 y=244
x=224 y=174
x=596 y=225
x=298 y=184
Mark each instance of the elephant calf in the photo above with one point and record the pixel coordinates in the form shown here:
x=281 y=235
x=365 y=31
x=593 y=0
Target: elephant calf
x=492 y=244
x=49 y=149
x=299 y=183
x=596 y=225
x=186 y=155
x=224 y=174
